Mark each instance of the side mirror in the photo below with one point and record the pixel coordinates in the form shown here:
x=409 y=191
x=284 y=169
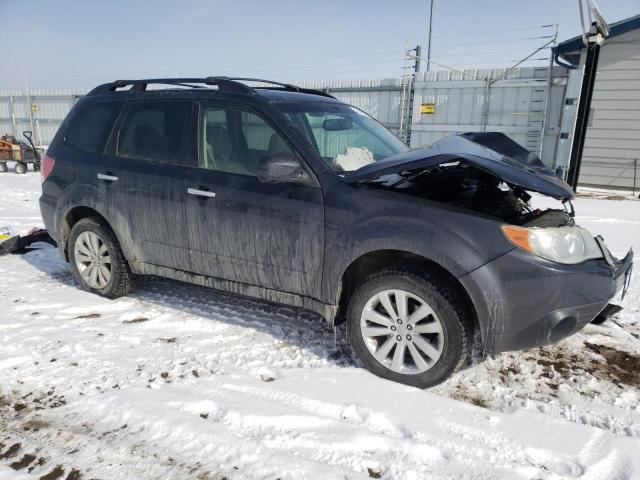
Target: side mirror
x=282 y=168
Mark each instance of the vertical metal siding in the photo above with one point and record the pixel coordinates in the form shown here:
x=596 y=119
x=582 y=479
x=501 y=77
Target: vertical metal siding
x=52 y=107
x=611 y=154
x=515 y=103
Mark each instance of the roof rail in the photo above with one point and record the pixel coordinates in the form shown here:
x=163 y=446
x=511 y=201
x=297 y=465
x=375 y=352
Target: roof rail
x=285 y=86
x=229 y=84
x=223 y=83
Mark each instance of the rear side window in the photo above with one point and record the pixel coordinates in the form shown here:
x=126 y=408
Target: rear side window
x=155 y=131
x=90 y=126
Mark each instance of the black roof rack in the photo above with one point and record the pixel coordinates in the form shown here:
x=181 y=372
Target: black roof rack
x=222 y=83
x=283 y=86
x=229 y=84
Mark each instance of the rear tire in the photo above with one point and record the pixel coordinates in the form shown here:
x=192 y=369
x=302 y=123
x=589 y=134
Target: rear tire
x=97 y=262
x=21 y=168
x=3 y=167
x=425 y=338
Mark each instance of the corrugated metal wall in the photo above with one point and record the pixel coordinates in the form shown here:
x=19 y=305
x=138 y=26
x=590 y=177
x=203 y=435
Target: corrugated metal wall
x=44 y=115
x=515 y=105
x=611 y=154
x=379 y=98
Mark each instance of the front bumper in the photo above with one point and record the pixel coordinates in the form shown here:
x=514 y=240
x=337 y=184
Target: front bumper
x=523 y=301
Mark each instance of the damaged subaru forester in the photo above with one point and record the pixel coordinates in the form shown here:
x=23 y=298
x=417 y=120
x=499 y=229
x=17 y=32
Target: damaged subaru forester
x=289 y=195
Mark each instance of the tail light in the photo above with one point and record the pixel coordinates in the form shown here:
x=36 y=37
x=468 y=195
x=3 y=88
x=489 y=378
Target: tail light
x=46 y=165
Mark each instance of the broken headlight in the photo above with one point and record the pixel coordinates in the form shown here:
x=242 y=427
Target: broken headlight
x=568 y=245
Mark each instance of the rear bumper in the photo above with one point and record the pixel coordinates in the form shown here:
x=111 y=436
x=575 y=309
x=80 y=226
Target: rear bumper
x=47 y=210
x=523 y=301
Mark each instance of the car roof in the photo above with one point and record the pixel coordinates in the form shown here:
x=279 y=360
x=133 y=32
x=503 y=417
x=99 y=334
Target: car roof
x=267 y=90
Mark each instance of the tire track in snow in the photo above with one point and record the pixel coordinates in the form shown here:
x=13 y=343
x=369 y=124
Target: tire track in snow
x=210 y=328
x=470 y=446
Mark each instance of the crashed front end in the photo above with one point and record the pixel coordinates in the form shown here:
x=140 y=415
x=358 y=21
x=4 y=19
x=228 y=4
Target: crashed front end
x=557 y=277
x=528 y=301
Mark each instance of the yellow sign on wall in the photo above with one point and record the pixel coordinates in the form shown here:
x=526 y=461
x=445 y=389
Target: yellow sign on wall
x=427 y=108
x=34 y=108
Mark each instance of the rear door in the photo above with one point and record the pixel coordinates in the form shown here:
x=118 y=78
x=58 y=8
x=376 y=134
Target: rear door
x=264 y=234
x=151 y=150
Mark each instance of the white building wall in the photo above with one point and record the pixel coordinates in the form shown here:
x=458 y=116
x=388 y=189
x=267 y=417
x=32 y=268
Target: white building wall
x=612 y=144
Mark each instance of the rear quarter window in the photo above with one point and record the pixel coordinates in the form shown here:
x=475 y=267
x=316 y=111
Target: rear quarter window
x=89 y=127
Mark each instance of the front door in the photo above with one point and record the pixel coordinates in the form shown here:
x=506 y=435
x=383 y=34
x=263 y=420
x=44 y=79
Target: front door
x=240 y=229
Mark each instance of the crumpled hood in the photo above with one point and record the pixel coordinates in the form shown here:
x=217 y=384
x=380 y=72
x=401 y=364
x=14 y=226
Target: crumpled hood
x=490 y=151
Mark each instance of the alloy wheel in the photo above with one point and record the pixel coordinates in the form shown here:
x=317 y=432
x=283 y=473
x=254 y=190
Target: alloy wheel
x=402 y=331
x=92 y=260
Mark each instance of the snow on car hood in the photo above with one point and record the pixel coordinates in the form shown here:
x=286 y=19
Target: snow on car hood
x=491 y=151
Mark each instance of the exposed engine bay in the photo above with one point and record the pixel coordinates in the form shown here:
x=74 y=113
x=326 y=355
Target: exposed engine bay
x=466 y=186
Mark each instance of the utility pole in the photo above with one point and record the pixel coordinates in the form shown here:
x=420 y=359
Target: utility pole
x=429 y=44
x=547 y=98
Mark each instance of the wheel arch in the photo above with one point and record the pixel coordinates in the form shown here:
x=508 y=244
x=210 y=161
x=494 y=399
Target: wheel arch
x=376 y=260
x=73 y=216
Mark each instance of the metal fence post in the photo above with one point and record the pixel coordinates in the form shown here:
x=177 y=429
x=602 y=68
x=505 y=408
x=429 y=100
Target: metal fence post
x=635 y=174
x=12 y=113
x=485 y=105
x=547 y=103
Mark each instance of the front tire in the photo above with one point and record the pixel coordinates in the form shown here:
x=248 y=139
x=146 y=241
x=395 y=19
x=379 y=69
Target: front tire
x=21 y=168
x=97 y=262
x=409 y=326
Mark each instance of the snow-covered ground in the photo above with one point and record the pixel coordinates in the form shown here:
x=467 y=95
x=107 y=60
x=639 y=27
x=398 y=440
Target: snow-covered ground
x=177 y=381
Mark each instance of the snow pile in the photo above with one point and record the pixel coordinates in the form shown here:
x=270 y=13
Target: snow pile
x=178 y=381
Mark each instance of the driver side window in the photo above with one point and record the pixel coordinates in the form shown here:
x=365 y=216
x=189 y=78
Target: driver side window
x=234 y=140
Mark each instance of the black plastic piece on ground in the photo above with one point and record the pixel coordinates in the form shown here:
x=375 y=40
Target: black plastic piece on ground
x=19 y=245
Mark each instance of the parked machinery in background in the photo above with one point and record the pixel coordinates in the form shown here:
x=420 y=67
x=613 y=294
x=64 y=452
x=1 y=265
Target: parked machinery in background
x=23 y=153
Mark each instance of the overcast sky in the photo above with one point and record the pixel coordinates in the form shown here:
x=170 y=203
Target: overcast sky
x=73 y=43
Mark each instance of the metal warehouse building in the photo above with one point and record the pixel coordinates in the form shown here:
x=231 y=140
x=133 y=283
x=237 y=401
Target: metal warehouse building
x=611 y=154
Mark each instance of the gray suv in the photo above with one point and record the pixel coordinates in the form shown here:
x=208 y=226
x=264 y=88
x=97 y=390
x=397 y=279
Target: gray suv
x=289 y=195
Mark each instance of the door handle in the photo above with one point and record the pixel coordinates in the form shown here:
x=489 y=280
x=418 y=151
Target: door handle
x=201 y=193
x=108 y=178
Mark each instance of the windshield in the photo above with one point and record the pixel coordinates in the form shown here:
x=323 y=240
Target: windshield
x=346 y=138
